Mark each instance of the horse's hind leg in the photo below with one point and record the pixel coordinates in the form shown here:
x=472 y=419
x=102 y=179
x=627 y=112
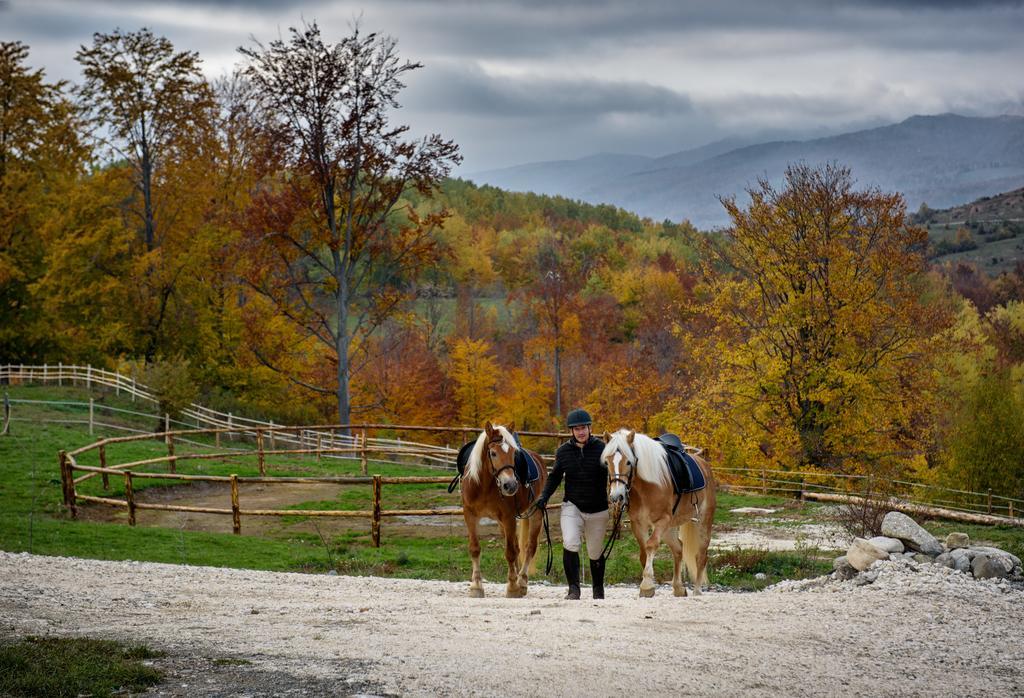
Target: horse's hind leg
x=676 y=546
x=476 y=586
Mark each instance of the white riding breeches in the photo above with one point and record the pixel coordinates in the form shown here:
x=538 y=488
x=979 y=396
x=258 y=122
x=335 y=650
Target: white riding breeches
x=576 y=523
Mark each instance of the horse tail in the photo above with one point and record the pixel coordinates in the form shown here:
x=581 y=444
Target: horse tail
x=695 y=547
x=696 y=535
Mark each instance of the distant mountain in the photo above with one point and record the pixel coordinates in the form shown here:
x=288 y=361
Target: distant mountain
x=1008 y=206
x=939 y=160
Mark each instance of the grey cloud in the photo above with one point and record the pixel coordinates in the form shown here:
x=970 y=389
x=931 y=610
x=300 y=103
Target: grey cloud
x=472 y=91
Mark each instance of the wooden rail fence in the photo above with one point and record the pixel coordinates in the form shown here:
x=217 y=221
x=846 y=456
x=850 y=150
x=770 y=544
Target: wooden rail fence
x=69 y=466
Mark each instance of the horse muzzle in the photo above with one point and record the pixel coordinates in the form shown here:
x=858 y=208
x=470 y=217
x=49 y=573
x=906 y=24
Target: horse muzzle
x=509 y=487
x=617 y=495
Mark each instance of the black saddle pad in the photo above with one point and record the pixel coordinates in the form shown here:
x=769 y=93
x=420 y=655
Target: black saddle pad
x=527 y=470
x=686 y=474
x=463 y=458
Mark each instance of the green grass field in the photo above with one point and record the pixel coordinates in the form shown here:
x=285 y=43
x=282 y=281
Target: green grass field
x=33 y=519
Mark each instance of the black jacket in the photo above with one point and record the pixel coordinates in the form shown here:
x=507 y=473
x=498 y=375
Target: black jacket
x=586 y=477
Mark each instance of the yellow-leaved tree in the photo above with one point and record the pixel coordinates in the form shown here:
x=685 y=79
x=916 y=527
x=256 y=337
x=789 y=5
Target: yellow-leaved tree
x=824 y=329
x=475 y=374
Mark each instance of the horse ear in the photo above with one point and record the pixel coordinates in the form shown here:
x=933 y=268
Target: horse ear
x=607 y=437
x=511 y=427
x=629 y=437
x=489 y=428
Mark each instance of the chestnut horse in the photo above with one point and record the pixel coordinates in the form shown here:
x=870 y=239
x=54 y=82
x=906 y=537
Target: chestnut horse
x=490 y=488
x=638 y=479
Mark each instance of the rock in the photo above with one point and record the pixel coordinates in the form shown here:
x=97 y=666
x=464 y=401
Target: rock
x=843 y=569
x=946 y=560
x=862 y=554
x=899 y=525
x=961 y=560
x=957 y=540
x=922 y=558
x=995 y=552
x=890 y=545
x=985 y=567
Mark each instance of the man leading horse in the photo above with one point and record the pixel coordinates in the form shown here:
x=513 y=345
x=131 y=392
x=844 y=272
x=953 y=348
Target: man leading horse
x=585 y=506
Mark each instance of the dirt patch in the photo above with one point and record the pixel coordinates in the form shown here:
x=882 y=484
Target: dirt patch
x=336 y=635
x=215 y=495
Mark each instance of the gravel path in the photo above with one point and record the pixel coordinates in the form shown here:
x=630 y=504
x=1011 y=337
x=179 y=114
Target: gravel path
x=239 y=632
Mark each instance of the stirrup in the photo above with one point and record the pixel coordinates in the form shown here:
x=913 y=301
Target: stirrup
x=696 y=511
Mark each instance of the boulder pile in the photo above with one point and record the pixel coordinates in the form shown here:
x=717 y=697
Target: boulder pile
x=903 y=539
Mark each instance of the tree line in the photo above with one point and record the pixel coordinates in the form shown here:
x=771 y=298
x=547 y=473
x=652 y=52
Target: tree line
x=273 y=244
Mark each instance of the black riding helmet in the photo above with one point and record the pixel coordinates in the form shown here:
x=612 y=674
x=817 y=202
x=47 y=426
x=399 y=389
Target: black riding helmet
x=579 y=418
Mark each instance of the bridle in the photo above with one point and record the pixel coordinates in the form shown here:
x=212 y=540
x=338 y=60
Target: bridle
x=496 y=474
x=614 y=477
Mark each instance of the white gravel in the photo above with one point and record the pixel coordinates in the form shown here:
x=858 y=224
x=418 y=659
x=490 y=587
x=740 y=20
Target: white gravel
x=912 y=632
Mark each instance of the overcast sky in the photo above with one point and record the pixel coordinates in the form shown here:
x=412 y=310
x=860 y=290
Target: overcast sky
x=524 y=80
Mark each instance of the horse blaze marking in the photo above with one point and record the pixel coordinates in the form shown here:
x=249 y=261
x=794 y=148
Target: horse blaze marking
x=504 y=447
x=616 y=459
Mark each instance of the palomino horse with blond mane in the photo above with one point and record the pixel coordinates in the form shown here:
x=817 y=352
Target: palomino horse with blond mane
x=639 y=480
x=491 y=487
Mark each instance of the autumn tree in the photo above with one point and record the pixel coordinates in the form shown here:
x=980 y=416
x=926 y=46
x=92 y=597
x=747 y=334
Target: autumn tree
x=339 y=250
x=150 y=107
x=142 y=95
x=824 y=326
x=40 y=155
x=474 y=374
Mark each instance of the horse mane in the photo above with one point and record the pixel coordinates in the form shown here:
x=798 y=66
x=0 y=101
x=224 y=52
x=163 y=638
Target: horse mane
x=476 y=456
x=651 y=461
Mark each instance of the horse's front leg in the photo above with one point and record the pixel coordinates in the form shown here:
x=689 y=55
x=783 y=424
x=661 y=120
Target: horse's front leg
x=528 y=548
x=676 y=546
x=476 y=586
x=508 y=527
x=647 y=584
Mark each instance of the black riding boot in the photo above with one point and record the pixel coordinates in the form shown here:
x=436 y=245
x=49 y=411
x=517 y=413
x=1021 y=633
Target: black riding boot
x=571 y=563
x=597 y=577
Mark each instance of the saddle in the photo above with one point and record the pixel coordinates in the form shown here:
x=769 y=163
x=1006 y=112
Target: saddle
x=686 y=475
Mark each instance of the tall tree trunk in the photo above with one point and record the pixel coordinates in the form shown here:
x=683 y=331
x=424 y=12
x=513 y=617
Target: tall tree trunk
x=558 y=379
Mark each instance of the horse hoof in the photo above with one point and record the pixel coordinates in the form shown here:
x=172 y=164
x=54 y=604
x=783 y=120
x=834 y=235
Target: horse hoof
x=679 y=591
x=646 y=592
x=516 y=593
x=476 y=593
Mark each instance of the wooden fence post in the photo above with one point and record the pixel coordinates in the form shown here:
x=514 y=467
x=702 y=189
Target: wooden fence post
x=273 y=447
x=236 y=514
x=170 y=452
x=62 y=460
x=764 y=482
x=91 y=416
x=989 y=500
x=88 y=376
x=260 y=456
x=129 y=496
x=375 y=530
x=60 y=375
x=1011 y=509
x=103 y=464
x=319 y=446
x=362 y=452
